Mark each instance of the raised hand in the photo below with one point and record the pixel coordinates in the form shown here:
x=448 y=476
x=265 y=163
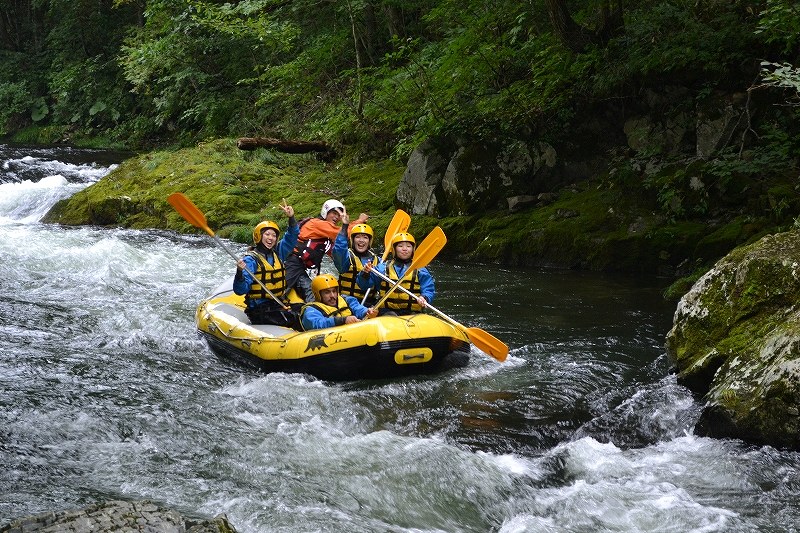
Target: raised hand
x=286 y=208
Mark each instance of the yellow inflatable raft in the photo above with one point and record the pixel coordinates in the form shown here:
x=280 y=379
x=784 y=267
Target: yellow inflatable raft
x=383 y=347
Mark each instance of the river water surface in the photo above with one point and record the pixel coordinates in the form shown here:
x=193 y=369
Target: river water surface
x=108 y=393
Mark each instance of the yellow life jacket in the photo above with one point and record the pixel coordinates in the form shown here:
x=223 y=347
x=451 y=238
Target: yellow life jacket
x=399 y=300
x=341 y=309
x=272 y=276
x=347 y=280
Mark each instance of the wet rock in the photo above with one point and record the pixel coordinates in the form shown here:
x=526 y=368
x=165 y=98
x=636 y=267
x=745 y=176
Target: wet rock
x=120 y=517
x=736 y=341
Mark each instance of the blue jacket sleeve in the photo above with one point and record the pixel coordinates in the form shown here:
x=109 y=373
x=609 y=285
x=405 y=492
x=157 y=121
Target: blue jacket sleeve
x=289 y=240
x=341 y=251
x=427 y=288
x=242 y=280
x=312 y=318
x=355 y=306
x=371 y=280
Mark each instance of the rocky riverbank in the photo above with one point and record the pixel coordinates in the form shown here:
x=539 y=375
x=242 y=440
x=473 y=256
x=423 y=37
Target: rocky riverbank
x=588 y=224
x=120 y=517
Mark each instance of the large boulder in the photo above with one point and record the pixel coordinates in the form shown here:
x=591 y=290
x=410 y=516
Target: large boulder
x=736 y=341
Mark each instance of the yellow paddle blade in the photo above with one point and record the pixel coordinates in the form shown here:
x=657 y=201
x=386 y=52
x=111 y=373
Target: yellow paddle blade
x=428 y=248
x=189 y=211
x=488 y=343
x=400 y=223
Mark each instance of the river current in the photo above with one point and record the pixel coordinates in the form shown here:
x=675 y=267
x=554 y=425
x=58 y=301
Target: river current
x=107 y=392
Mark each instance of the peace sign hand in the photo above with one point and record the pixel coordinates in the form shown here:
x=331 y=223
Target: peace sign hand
x=286 y=208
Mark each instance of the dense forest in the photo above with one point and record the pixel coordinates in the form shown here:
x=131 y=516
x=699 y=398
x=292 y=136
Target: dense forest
x=373 y=76
x=666 y=129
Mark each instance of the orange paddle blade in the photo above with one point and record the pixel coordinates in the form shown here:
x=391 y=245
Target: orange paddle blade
x=488 y=343
x=400 y=223
x=189 y=211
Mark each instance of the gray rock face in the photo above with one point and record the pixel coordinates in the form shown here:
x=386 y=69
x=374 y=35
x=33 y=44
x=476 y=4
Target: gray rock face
x=119 y=517
x=445 y=177
x=736 y=341
x=453 y=177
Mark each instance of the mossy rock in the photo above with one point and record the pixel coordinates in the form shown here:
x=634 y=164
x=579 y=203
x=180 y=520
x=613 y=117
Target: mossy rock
x=736 y=340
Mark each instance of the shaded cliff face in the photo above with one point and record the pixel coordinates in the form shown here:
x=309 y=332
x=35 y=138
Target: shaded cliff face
x=736 y=340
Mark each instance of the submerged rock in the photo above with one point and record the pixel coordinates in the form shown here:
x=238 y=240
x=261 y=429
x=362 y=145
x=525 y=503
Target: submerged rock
x=120 y=517
x=736 y=341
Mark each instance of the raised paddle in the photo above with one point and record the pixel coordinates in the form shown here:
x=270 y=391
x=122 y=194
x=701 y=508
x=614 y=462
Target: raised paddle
x=196 y=218
x=423 y=254
x=484 y=341
x=400 y=223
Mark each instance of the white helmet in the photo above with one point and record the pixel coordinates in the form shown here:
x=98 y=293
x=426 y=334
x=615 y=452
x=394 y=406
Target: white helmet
x=330 y=204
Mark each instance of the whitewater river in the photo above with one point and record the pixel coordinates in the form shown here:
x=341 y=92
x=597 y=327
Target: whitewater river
x=106 y=392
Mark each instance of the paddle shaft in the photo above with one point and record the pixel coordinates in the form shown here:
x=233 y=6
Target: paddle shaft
x=428 y=305
x=400 y=222
x=196 y=218
x=252 y=275
x=483 y=340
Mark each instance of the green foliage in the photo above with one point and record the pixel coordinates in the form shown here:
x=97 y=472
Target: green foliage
x=662 y=40
x=13 y=101
x=779 y=23
x=379 y=75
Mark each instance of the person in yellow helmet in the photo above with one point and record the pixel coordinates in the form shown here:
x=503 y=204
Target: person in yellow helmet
x=350 y=256
x=418 y=281
x=265 y=259
x=329 y=308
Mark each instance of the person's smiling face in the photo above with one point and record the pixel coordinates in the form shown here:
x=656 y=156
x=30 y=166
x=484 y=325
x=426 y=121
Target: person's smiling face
x=329 y=296
x=269 y=238
x=361 y=242
x=334 y=215
x=403 y=250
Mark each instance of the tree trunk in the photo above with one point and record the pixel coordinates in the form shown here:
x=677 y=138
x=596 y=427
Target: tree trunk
x=282 y=145
x=576 y=37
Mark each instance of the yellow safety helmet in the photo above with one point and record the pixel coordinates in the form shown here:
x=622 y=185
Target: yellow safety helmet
x=258 y=231
x=322 y=282
x=403 y=237
x=361 y=228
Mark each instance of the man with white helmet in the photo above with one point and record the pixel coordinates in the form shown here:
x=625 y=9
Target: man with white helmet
x=316 y=238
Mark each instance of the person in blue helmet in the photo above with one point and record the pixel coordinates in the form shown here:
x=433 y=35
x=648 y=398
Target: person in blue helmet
x=265 y=260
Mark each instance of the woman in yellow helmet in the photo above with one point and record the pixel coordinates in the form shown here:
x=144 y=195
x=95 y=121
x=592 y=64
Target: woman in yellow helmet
x=418 y=281
x=350 y=256
x=329 y=308
x=265 y=259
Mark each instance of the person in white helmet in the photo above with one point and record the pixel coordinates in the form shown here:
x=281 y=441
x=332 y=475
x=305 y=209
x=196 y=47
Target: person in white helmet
x=316 y=239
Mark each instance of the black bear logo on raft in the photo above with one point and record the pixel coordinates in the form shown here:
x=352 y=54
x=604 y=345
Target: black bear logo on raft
x=317 y=342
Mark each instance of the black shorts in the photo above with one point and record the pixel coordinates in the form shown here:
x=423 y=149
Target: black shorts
x=273 y=315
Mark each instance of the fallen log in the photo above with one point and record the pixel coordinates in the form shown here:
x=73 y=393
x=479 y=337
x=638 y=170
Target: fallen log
x=282 y=145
